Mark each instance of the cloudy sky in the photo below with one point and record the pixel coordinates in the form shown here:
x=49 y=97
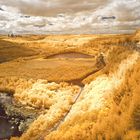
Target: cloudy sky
x=69 y=16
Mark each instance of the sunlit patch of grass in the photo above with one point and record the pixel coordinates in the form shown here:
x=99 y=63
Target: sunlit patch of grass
x=119 y=121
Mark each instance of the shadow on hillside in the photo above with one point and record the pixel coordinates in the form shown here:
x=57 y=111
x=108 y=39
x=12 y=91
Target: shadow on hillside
x=10 y=51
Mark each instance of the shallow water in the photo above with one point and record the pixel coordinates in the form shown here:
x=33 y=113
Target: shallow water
x=13 y=118
x=8 y=125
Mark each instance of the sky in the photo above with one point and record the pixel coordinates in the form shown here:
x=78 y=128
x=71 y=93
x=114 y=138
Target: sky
x=69 y=16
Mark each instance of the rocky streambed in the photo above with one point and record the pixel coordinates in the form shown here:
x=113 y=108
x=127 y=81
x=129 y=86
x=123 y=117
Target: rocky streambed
x=14 y=119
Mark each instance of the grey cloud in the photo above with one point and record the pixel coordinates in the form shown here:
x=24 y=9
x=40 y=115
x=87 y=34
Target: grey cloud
x=53 y=7
x=127 y=10
x=79 y=16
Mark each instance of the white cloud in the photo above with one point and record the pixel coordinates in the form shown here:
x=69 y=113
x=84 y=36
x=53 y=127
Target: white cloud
x=59 y=16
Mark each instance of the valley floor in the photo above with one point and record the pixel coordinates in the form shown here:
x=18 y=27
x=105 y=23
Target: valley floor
x=83 y=87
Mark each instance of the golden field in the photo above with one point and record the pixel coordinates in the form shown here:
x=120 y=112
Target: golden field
x=85 y=86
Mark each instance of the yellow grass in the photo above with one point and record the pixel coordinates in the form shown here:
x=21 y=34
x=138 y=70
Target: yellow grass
x=119 y=121
x=24 y=60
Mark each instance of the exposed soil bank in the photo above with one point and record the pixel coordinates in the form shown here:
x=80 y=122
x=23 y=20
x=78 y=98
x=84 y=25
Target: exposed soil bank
x=70 y=55
x=79 y=81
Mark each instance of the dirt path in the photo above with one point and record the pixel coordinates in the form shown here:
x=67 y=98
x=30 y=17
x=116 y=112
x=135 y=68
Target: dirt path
x=61 y=121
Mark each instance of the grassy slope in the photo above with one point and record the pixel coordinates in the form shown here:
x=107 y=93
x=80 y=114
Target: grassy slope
x=91 y=124
x=119 y=121
x=10 y=50
x=20 y=47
